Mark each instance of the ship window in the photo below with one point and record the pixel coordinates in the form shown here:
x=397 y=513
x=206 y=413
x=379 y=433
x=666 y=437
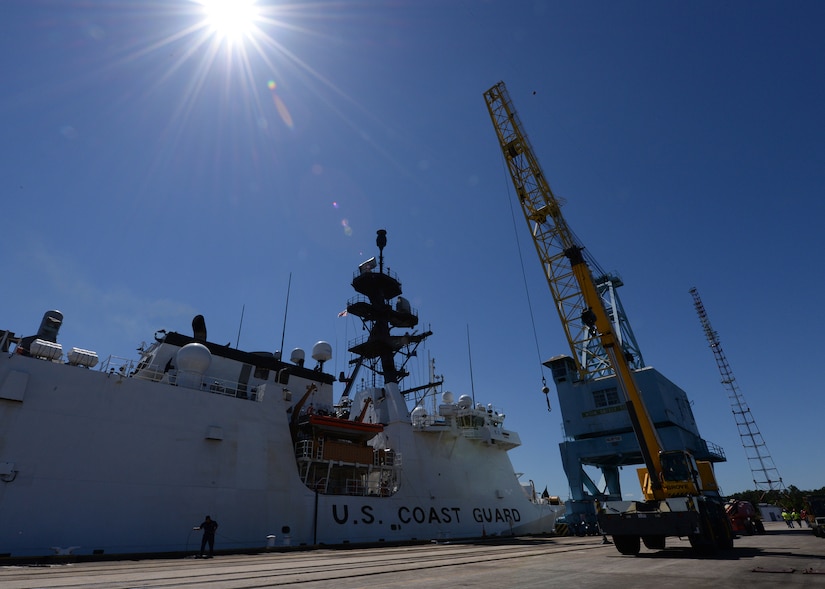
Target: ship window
x=262 y=373
x=606 y=397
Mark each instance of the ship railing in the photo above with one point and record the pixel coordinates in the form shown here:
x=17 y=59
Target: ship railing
x=118 y=365
x=355 y=487
x=387 y=272
x=358 y=299
x=126 y=367
x=381 y=488
x=303 y=449
x=364 y=304
x=386 y=458
x=232 y=389
x=357 y=341
x=714 y=451
x=433 y=420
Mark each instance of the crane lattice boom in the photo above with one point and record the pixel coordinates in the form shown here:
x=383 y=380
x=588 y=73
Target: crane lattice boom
x=552 y=237
x=765 y=474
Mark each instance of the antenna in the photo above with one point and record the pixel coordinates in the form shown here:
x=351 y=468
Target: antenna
x=238 y=341
x=381 y=242
x=470 y=354
x=286 y=308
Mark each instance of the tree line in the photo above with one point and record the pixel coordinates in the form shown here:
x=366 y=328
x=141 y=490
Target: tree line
x=790 y=498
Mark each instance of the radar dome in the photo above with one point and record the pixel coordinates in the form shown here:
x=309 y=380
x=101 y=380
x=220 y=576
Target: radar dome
x=465 y=401
x=402 y=305
x=194 y=358
x=297 y=356
x=447 y=397
x=321 y=352
x=419 y=414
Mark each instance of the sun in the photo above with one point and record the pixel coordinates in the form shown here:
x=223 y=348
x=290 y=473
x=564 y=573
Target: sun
x=232 y=20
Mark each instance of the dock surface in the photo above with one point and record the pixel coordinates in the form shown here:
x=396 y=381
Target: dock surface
x=781 y=557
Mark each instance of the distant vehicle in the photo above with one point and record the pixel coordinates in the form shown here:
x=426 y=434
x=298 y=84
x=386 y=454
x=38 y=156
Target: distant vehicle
x=816 y=514
x=744 y=517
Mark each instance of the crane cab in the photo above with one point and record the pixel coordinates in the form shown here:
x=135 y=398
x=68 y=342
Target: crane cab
x=681 y=474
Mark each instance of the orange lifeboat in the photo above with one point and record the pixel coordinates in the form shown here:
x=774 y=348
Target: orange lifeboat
x=343 y=428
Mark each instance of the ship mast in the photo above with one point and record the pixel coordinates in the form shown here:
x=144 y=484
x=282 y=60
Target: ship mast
x=380 y=317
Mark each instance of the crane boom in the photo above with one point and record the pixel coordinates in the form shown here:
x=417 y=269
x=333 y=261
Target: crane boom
x=595 y=318
x=552 y=237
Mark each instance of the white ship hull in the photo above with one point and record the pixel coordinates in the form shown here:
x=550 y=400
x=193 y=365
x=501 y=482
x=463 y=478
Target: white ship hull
x=129 y=457
x=112 y=464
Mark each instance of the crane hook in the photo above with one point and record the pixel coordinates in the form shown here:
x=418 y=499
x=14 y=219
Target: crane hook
x=546 y=390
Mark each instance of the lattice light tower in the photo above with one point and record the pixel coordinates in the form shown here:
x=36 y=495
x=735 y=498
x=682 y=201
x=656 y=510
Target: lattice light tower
x=765 y=474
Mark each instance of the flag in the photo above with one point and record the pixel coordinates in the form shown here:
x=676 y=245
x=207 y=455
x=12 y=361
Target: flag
x=343 y=313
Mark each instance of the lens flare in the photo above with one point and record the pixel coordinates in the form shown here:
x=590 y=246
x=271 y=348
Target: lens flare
x=230 y=19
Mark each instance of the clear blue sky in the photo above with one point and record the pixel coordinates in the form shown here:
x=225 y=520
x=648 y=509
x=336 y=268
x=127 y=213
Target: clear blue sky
x=152 y=170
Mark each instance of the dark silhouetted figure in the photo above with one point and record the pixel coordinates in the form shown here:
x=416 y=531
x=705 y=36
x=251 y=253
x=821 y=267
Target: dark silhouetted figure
x=208 y=526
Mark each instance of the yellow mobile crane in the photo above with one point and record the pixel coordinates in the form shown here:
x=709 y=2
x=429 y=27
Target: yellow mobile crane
x=681 y=496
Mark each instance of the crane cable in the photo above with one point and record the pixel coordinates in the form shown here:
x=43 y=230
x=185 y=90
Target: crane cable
x=544 y=388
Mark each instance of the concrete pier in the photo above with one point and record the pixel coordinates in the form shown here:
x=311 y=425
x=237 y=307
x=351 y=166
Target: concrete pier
x=781 y=557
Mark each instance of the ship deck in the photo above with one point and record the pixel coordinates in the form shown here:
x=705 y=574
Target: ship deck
x=790 y=557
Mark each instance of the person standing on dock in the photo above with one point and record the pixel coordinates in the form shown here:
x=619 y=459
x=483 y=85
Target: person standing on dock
x=208 y=526
x=787 y=517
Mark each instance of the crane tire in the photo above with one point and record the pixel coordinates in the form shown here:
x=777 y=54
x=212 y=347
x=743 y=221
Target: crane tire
x=654 y=542
x=628 y=545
